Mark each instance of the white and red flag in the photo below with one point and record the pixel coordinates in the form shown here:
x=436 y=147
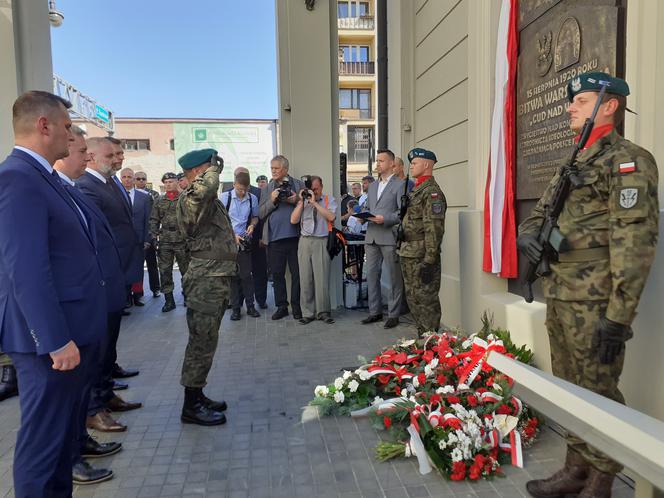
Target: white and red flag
x=499 y=219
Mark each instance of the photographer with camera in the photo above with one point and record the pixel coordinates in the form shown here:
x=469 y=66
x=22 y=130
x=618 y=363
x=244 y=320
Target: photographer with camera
x=278 y=199
x=242 y=207
x=314 y=212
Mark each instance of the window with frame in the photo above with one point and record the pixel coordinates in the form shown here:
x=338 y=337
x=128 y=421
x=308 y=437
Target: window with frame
x=359 y=143
x=356 y=98
x=355 y=53
x=352 y=9
x=136 y=144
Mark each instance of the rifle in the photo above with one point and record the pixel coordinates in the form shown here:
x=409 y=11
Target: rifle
x=403 y=209
x=549 y=236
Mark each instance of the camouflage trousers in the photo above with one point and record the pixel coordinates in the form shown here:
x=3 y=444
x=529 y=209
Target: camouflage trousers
x=168 y=254
x=570 y=325
x=207 y=300
x=422 y=299
x=5 y=360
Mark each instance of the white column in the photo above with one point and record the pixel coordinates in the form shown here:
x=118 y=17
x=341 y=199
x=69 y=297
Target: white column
x=308 y=98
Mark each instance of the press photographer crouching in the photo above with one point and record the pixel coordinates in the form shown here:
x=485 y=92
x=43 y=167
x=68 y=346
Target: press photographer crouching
x=315 y=213
x=242 y=207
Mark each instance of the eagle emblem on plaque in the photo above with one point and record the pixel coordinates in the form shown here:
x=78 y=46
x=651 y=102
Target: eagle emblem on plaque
x=544 y=53
x=568 y=44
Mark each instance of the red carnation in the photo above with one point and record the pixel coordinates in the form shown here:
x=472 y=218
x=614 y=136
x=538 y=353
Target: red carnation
x=400 y=358
x=472 y=400
x=428 y=356
x=453 y=399
x=441 y=380
x=504 y=410
x=458 y=471
x=454 y=423
x=475 y=472
x=387 y=422
x=421 y=378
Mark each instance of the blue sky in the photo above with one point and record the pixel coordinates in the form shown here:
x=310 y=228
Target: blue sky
x=165 y=58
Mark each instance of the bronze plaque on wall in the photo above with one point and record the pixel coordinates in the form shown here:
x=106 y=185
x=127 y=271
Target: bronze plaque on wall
x=557 y=41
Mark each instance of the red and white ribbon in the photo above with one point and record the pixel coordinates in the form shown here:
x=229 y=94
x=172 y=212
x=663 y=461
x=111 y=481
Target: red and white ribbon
x=477 y=355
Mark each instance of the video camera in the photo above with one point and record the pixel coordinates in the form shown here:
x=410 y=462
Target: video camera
x=307 y=185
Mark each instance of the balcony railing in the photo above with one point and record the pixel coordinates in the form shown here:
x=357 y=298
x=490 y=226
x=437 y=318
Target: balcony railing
x=364 y=22
x=356 y=68
x=355 y=114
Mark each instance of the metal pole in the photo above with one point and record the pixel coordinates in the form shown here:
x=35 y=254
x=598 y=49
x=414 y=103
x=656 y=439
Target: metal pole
x=381 y=72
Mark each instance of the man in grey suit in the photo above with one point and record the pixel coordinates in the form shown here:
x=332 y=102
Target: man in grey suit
x=383 y=201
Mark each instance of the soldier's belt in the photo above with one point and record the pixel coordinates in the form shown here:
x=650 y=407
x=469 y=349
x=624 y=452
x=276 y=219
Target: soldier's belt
x=413 y=237
x=581 y=255
x=216 y=255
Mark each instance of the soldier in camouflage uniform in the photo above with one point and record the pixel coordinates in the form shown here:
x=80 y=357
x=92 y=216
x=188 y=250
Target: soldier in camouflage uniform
x=213 y=249
x=610 y=223
x=164 y=227
x=422 y=232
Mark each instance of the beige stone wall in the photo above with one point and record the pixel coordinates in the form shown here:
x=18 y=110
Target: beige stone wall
x=442 y=57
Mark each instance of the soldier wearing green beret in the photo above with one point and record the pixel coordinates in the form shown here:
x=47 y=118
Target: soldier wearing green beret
x=610 y=222
x=423 y=227
x=213 y=250
x=165 y=232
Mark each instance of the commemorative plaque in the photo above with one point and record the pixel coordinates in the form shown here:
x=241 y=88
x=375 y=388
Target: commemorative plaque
x=558 y=39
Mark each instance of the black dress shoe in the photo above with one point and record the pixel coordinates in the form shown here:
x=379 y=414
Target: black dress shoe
x=138 y=302
x=117 y=404
x=217 y=406
x=95 y=449
x=236 y=315
x=390 y=323
x=126 y=313
x=372 y=319
x=8 y=382
x=280 y=313
x=83 y=473
x=121 y=373
x=262 y=305
x=119 y=386
x=297 y=314
x=306 y=320
x=195 y=410
x=253 y=313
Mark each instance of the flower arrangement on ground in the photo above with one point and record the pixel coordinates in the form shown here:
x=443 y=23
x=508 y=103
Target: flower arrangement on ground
x=441 y=402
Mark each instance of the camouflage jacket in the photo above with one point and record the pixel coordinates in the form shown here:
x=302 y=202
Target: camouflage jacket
x=153 y=193
x=424 y=223
x=164 y=223
x=617 y=208
x=208 y=230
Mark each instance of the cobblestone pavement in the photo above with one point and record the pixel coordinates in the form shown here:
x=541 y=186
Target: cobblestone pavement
x=273 y=445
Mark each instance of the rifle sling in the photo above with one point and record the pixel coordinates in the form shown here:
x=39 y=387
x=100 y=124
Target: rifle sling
x=582 y=255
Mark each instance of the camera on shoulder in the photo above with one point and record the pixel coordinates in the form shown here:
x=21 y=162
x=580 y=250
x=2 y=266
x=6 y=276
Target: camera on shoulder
x=307 y=185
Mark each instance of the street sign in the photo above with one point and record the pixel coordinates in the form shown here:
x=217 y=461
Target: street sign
x=84 y=107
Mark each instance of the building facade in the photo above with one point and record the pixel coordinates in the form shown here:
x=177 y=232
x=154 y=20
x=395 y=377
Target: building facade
x=357 y=83
x=153 y=145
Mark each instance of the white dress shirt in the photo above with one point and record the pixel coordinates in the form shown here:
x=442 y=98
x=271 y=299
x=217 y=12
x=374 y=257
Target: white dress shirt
x=382 y=184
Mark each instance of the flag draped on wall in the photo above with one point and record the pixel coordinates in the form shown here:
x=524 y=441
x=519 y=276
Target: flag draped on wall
x=499 y=219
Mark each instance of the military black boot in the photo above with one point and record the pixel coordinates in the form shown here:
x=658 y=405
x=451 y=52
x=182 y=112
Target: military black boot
x=8 y=382
x=217 y=406
x=196 y=412
x=570 y=480
x=169 y=305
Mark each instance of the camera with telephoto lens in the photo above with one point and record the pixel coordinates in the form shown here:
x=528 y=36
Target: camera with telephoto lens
x=307 y=185
x=285 y=191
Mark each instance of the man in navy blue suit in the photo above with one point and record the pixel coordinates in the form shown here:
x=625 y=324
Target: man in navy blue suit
x=70 y=168
x=97 y=184
x=52 y=294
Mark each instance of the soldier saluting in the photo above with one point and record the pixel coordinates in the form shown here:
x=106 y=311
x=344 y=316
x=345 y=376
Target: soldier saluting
x=422 y=230
x=609 y=220
x=207 y=284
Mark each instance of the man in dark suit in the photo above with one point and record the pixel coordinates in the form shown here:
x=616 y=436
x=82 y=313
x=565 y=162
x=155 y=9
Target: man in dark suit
x=98 y=185
x=141 y=181
x=69 y=169
x=383 y=200
x=141 y=206
x=52 y=296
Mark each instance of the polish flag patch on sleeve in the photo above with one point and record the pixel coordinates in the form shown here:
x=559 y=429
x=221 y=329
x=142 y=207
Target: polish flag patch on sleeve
x=627 y=167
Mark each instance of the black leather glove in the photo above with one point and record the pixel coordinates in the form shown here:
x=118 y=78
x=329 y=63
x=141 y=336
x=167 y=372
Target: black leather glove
x=609 y=339
x=427 y=273
x=529 y=247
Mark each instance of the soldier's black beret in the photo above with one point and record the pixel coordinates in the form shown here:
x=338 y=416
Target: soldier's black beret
x=180 y=176
x=261 y=177
x=423 y=153
x=169 y=176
